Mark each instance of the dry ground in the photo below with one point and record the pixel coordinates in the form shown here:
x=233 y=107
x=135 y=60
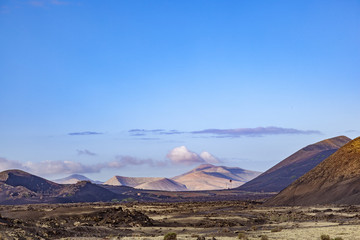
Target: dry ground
x=190 y=220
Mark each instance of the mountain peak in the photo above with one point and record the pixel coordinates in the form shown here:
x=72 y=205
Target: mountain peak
x=74 y=178
x=328 y=144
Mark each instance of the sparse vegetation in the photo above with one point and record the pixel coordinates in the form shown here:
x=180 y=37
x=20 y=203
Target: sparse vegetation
x=130 y=199
x=170 y=236
x=264 y=237
x=242 y=236
x=276 y=229
x=325 y=237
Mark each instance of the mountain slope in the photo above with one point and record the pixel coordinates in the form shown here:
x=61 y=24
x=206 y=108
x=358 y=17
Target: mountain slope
x=150 y=183
x=210 y=177
x=85 y=191
x=333 y=181
x=19 y=187
x=284 y=173
x=130 y=181
x=163 y=184
x=33 y=183
x=72 y=179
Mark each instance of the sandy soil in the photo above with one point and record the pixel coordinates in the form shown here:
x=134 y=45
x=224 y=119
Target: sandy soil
x=192 y=220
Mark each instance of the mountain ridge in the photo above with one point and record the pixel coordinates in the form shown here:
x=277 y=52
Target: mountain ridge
x=297 y=164
x=149 y=183
x=333 y=181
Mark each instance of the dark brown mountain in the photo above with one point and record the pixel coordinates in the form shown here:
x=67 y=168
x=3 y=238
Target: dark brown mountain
x=287 y=171
x=85 y=191
x=336 y=180
x=33 y=183
x=19 y=187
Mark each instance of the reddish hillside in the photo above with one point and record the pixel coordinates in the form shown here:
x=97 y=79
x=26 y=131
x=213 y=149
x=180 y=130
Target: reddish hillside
x=333 y=181
x=284 y=173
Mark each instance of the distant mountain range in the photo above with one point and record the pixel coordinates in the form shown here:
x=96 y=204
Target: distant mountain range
x=204 y=177
x=150 y=183
x=287 y=171
x=210 y=177
x=333 y=181
x=19 y=187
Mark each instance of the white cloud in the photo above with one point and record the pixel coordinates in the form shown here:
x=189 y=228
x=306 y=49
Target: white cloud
x=207 y=157
x=56 y=167
x=181 y=155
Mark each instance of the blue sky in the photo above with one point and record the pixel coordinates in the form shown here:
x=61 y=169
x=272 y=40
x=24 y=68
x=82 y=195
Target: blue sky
x=133 y=87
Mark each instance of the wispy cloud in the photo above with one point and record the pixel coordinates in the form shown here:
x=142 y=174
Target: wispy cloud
x=181 y=155
x=144 y=132
x=84 y=133
x=45 y=168
x=259 y=131
x=85 y=152
x=352 y=131
x=49 y=167
x=122 y=161
x=149 y=139
x=225 y=133
x=171 y=132
x=57 y=167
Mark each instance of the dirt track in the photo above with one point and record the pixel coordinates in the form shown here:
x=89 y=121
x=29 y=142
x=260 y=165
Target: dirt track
x=219 y=220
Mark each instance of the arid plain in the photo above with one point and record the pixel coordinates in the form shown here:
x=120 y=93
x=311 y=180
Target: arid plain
x=189 y=220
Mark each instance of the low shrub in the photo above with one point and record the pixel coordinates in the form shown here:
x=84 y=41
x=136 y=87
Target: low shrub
x=242 y=236
x=277 y=229
x=170 y=236
x=264 y=237
x=325 y=237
